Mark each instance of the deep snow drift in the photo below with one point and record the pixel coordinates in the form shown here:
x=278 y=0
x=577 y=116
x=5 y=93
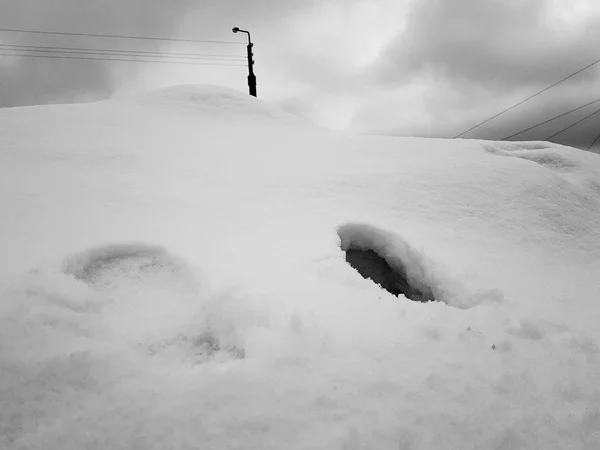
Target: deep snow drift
x=174 y=275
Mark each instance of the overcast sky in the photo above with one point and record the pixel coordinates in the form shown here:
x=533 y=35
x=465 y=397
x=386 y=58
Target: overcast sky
x=428 y=68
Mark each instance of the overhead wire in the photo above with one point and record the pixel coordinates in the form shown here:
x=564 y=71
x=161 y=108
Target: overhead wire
x=117 y=36
x=592 y=144
x=191 y=63
x=528 y=98
x=572 y=125
x=111 y=53
x=41 y=48
x=550 y=120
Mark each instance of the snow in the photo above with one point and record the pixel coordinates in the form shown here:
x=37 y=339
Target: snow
x=173 y=276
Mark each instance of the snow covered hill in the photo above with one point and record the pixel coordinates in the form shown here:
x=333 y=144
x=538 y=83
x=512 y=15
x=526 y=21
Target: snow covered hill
x=174 y=276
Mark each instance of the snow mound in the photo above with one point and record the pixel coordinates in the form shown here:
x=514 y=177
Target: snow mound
x=550 y=156
x=213 y=102
x=126 y=345
x=571 y=164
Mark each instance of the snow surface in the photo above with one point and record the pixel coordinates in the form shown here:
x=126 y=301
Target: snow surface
x=172 y=277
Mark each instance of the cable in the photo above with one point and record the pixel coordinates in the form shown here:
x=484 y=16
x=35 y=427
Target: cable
x=122 y=59
x=42 y=48
x=550 y=120
x=592 y=144
x=52 y=52
x=110 y=53
x=528 y=98
x=117 y=36
x=571 y=126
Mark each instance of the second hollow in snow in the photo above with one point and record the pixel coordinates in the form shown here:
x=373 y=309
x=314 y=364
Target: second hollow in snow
x=375 y=256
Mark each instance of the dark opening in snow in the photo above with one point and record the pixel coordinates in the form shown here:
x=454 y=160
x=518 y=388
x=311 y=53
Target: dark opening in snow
x=373 y=267
x=383 y=259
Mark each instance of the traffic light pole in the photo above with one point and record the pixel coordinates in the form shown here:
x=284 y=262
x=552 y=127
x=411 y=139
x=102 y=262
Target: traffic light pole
x=251 y=76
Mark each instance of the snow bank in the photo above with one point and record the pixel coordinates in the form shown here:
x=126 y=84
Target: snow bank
x=573 y=165
x=172 y=277
x=213 y=103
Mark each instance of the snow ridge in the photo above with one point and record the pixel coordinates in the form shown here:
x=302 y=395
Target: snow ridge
x=213 y=103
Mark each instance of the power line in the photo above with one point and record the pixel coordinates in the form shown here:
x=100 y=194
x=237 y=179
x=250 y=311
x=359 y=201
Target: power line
x=528 y=98
x=41 y=48
x=550 y=120
x=571 y=126
x=123 y=60
x=592 y=144
x=117 y=36
x=111 y=53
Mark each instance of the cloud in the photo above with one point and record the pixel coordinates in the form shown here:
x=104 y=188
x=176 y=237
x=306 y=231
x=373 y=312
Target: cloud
x=38 y=80
x=409 y=67
x=28 y=81
x=255 y=11
x=437 y=110
x=323 y=56
x=495 y=42
x=457 y=63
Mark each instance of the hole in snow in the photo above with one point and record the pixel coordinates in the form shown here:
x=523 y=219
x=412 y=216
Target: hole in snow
x=386 y=260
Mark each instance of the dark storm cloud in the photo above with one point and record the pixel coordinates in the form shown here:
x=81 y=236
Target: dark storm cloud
x=444 y=122
x=496 y=42
x=479 y=57
x=37 y=80
x=442 y=114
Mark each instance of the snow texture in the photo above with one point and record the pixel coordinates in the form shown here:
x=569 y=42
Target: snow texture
x=174 y=276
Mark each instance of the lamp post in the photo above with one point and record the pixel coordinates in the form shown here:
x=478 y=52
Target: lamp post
x=251 y=76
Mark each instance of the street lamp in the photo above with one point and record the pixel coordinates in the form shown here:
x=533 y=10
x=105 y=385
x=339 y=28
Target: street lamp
x=251 y=76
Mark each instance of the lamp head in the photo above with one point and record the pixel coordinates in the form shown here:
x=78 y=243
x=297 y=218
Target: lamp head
x=235 y=29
